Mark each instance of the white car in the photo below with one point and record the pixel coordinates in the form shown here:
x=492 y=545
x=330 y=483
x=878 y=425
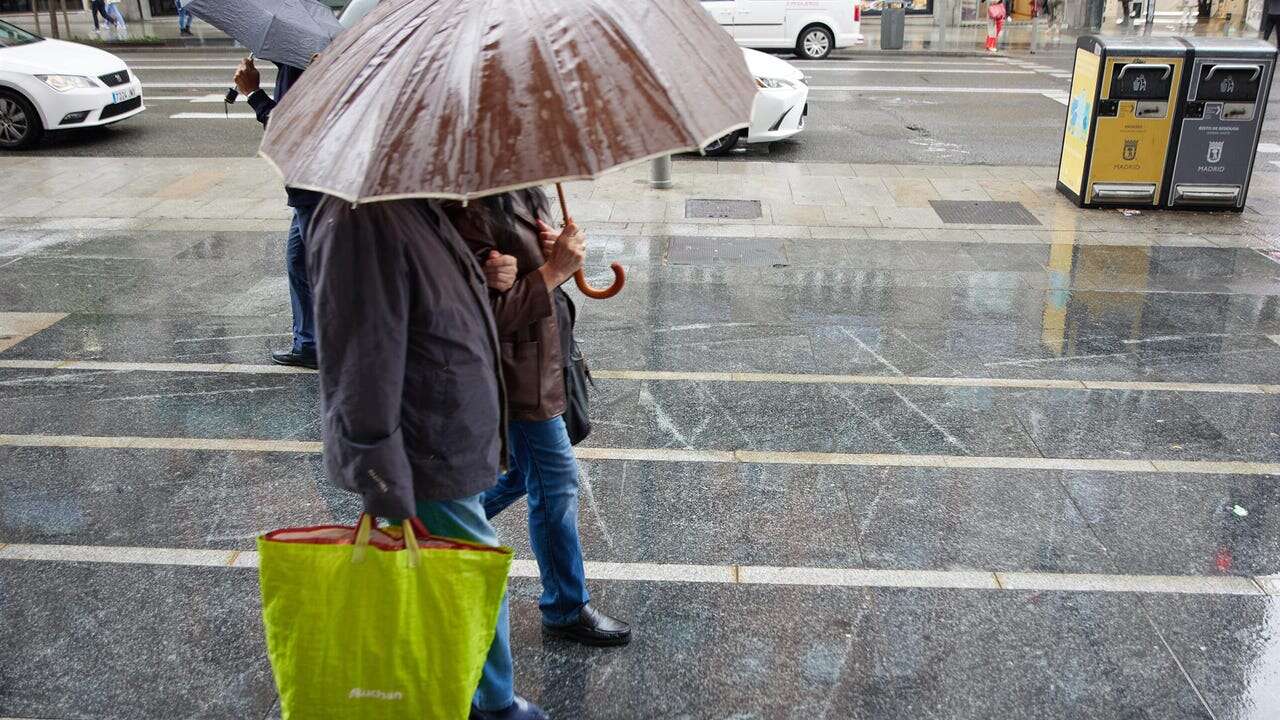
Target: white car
x=812 y=28
x=55 y=85
x=781 y=106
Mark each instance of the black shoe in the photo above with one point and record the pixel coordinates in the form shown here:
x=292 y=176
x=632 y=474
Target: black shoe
x=295 y=359
x=521 y=709
x=593 y=628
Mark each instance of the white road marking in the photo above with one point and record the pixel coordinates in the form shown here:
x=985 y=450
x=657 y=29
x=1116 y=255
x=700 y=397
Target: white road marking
x=187 y=98
x=760 y=457
x=1059 y=96
x=947 y=71
x=694 y=376
x=710 y=574
x=1269 y=148
x=214 y=116
x=894 y=63
x=931 y=89
x=193 y=84
x=136 y=67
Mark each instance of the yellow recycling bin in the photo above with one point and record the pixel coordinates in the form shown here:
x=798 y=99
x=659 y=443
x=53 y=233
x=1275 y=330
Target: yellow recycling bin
x=1124 y=95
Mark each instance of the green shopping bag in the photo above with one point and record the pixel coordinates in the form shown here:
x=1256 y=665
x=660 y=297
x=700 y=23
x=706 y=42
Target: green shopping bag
x=374 y=623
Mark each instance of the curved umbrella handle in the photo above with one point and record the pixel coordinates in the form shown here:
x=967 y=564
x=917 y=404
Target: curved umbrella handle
x=619 y=279
x=580 y=278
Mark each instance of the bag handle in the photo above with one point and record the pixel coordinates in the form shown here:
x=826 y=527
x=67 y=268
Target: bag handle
x=413 y=530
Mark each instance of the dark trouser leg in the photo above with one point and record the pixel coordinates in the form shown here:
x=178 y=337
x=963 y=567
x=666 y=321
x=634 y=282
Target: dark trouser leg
x=304 y=328
x=1269 y=23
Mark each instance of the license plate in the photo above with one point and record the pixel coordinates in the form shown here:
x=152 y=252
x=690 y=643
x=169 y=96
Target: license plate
x=122 y=95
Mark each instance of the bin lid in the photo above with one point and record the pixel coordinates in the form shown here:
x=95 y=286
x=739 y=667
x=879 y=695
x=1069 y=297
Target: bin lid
x=1133 y=45
x=1252 y=47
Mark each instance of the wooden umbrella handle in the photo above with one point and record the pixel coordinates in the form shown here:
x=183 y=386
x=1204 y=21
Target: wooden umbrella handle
x=619 y=275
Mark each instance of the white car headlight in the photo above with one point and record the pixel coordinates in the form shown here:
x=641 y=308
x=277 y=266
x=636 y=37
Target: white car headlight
x=772 y=83
x=63 y=83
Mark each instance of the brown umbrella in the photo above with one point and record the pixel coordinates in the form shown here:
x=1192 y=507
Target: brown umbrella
x=465 y=98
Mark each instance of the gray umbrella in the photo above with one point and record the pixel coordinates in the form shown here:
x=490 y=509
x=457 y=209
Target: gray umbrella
x=282 y=31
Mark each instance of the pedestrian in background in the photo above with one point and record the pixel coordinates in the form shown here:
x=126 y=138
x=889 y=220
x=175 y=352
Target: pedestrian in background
x=119 y=30
x=184 y=18
x=996 y=14
x=535 y=326
x=302 y=353
x=1127 y=11
x=1271 y=20
x=96 y=8
x=411 y=395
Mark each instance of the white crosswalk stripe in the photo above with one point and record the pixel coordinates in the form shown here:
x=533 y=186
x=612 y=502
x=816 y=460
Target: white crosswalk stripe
x=214 y=116
x=990 y=580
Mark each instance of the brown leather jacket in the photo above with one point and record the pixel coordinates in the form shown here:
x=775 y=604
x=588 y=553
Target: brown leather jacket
x=533 y=320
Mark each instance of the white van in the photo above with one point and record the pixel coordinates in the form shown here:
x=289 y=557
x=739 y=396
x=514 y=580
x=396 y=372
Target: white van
x=813 y=28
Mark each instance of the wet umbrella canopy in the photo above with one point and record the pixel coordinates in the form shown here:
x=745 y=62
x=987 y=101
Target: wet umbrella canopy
x=465 y=98
x=282 y=31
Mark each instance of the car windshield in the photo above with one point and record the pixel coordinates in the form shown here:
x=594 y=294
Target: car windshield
x=12 y=35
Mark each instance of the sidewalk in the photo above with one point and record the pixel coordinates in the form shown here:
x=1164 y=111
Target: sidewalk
x=921 y=35
x=160 y=31
x=793 y=201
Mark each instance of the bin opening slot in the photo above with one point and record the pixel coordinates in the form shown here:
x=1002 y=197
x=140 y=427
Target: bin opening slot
x=1123 y=192
x=1149 y=109
x=1206 y=194
x=1229 y=82
x=1141 y=81
x=1237 y=111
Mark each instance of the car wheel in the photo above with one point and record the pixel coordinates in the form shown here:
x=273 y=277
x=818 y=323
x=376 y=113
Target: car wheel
x=815 y=43
x=721 y=146
x=19 y=123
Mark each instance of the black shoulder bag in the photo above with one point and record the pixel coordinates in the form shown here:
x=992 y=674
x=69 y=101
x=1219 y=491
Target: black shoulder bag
x=577 y=376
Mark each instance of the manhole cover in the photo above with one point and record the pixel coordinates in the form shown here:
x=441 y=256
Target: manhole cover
x=725 y=250
x=983 y=212
x=723 y=209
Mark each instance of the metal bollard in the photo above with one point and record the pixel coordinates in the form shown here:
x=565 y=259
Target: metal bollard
x=1035 y=33
x=660 y=173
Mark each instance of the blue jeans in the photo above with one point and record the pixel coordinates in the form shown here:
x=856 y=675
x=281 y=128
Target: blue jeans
x=464 y=519
x=184 y=17
x=295 y=257
x=544 y=467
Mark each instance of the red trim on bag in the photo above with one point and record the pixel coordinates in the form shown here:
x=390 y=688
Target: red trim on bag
x=345 y=535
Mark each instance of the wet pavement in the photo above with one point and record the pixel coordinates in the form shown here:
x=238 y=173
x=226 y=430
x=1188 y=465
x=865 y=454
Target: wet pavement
x=850 y=461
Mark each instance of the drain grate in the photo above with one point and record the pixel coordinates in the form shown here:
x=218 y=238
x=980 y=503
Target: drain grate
x=725 y=251
x=983 y=212
x=722 y=209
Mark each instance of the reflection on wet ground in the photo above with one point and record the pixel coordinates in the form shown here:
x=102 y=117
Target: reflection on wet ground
x=763 y=367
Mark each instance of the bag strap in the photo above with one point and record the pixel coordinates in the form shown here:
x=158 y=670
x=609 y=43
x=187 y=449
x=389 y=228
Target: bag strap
x=413 y=528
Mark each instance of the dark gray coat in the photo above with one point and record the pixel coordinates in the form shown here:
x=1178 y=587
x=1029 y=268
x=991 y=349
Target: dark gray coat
x=411 y=387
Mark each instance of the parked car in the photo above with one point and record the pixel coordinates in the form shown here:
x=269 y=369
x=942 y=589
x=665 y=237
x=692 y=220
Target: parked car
x=812 y=28
x=54 y=85
x=782 y=103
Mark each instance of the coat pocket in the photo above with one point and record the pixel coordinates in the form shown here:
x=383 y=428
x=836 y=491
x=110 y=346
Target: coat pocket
x=522 y=370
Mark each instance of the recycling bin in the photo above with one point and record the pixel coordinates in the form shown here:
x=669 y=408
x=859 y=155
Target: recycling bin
x=893 y=23
x=1220 y=122
x=1120 y=120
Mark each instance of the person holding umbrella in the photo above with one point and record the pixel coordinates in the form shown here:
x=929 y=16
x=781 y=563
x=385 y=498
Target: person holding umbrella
x=535 y=325
x=289 y=33
x=430 y=100
x=302 y=353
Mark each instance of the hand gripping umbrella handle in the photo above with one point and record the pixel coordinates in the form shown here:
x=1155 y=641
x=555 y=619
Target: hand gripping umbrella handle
x=619 y=275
